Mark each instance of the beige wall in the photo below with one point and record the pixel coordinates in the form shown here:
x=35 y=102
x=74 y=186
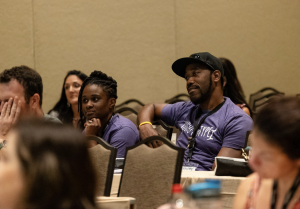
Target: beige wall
x=136 y=41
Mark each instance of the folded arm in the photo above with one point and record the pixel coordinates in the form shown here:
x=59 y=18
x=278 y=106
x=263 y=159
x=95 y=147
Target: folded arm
x=149 y=113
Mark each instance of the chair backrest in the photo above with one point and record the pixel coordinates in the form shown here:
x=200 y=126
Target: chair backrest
x=103 y=157
x=261 y=93
x=125 y=111
x=132 y=117
x=262 y=101
x=178 y=98
x=163 y=129
x=132 y=103
x=149 y=173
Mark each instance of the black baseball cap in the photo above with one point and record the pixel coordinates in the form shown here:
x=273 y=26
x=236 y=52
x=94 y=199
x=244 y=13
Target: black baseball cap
x=202 y=57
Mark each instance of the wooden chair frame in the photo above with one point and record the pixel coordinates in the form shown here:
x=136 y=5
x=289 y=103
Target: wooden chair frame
x=165 y=126
x=251 y=100
x=123 y=109
x=265 y=96
x=130 y=101
x=111 y=165
x=176 y=98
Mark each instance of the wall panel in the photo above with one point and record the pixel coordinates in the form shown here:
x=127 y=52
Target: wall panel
x=132 y=41
x=260 y=37
x=16 y=34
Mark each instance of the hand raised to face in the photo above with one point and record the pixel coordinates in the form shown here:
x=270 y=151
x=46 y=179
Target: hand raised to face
x=92 y=127
x=9 y=114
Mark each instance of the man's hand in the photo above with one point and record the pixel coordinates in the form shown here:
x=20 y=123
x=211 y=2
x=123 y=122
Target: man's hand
x=10 y=112
x=146 y=131
x=92 y=127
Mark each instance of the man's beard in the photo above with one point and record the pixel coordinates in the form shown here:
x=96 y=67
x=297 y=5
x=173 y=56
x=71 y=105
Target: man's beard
x=203 y=95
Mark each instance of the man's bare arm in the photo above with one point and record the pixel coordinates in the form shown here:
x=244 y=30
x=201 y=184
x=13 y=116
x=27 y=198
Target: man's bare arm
x=228 y=152
x=149 y=112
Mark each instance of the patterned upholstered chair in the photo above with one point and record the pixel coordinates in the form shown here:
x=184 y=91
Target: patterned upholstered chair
x=149 y=173
x=103 y=157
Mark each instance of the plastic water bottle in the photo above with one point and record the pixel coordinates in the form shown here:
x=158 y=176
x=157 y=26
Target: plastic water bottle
x=207 y=195
x=180 y=199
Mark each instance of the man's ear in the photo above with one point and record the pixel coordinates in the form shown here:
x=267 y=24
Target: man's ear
x=216 y=76
x=34 y=101
x=112 y=103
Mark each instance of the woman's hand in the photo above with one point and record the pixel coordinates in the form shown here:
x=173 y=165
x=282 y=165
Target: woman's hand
x=92 y=127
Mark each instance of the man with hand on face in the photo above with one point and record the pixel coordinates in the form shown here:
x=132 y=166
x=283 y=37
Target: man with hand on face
x=209 y=125
x=21 y=93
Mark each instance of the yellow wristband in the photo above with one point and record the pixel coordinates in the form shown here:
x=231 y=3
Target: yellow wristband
x=146 y=122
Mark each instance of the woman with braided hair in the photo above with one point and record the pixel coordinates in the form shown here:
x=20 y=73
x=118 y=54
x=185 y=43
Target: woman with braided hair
x=97 y=99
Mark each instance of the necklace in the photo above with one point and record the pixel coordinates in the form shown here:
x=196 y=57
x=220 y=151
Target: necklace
x=288 y=197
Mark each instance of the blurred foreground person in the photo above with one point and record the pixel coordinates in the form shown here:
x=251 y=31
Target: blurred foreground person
x=46 y=166
x=275 y=158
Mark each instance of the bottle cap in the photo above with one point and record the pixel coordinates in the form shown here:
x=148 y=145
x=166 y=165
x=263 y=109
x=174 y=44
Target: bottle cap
x=176 y=188
x=209 y=188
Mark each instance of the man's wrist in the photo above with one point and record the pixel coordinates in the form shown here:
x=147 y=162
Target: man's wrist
x=146 y=125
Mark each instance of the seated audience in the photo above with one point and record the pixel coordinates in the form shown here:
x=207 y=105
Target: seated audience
x=97 y=99
x=66 y=109
x=46 y=165
x=222 y=126
x=21 y=94
x=232 y=86
x=274 y=157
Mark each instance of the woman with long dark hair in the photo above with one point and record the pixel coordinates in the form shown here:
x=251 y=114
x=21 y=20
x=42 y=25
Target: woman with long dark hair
x=66 y=109
x=46 y=165
x=232 y=87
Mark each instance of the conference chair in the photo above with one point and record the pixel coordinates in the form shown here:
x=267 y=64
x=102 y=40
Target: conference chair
x=260 y=95
x=125 y=111
x=178 y=98
x=103 y=157
x=132 y=103
x=149 y=173
x=262 y=101
x=128 y=113
x=163 y=129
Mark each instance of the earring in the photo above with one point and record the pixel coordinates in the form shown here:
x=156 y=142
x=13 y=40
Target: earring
x=68 y=104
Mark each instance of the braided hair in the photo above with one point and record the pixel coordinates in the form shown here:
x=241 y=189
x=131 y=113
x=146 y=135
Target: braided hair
x=98 y=78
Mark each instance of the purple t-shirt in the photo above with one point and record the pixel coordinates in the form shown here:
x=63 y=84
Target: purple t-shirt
x=225 y=128
x=121 y=133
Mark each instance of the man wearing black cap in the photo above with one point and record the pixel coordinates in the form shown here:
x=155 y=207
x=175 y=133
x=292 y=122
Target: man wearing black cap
x=210 y=125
